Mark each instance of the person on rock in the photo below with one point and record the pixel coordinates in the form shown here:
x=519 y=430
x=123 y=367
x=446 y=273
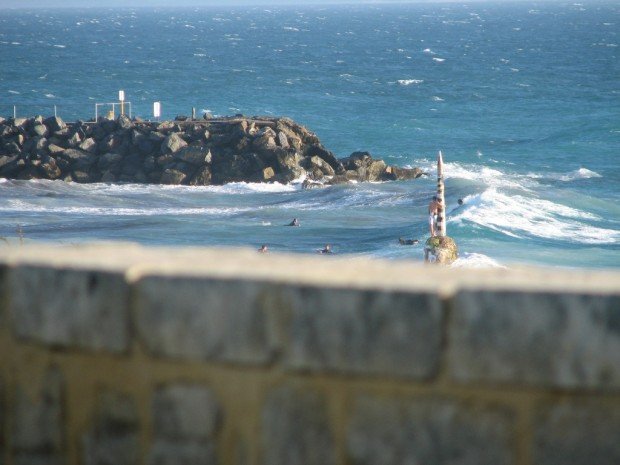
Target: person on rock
x=433 y=209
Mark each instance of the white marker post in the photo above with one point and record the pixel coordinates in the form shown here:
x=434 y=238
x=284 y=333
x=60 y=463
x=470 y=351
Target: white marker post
x=121 y=98
x=156 y=110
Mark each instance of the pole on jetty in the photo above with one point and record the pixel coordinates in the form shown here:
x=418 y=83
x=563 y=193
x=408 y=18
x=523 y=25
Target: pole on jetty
x=121 y=98
x=440 y=249
x=441 y=211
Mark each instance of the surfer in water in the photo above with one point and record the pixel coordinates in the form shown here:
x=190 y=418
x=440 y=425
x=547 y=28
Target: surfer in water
x=295 y=222
x=326 y=250
x=433 y=208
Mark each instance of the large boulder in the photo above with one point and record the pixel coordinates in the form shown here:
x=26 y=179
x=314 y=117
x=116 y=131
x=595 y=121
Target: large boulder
x=172 y=176
x=196 y=155
x=78 y=159
x=394 y=173
x=441 y=250
x=54 y=124
x=173 y=143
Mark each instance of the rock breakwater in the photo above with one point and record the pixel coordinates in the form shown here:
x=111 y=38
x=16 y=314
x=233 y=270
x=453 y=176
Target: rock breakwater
x=190 y=152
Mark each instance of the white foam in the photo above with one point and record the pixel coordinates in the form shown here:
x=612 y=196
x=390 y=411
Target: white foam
x=408 y=82
x=521 y=215
x=50 y=95
x=60 y=46
x=18 y=205
x=439 y=60
x=581 y=173
x=475 y=260
x=13 y=92
x=428 y=50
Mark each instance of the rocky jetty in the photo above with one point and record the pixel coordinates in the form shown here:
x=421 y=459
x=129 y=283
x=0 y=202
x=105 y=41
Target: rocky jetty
x=190 y=152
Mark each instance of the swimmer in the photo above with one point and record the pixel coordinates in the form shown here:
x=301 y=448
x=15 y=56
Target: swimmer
x=402 y=241
x=295 y=222
x=263 y=249
x=326 y=250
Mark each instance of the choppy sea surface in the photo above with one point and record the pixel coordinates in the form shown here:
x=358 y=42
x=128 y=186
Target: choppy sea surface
x=522 y=98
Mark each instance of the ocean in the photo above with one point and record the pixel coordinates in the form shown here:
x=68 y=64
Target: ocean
x=523 y=99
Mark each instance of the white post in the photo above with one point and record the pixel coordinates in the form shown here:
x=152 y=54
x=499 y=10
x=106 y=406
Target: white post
x=55 y=115
x=14 y=112
x=121 y=98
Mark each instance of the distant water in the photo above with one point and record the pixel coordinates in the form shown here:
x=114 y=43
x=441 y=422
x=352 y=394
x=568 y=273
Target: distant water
x=523 y=100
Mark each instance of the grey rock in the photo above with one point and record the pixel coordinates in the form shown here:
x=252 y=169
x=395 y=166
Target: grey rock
x=430 y=431
x=38 y=429
x=394 y=173
x=69 y=308
x=283 y=140
x=206 y=319
x=113 y=438
x=316 y=162
x=544 y=339
x=172 y=176
x=89 y=145
x=124 y=122
x=108 y=176
x=54 y=149
x=50 y=168
x=376 y=170
x=20 y=122
x=371 y=332
x=197 y=155
x=202 y=177
x=108 y=160
x=577 y=434
x=54 y=124
x=82 y=177
x=78 y=159
x=296 y=429
x=172 y=143
x=40 y=130
x=74 y=140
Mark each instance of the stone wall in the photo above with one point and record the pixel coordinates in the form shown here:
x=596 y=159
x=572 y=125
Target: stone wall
x=117 y=354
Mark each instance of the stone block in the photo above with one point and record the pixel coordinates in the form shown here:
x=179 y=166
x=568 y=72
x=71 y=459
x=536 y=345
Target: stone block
x=2 y=422
x=38 y=435
x=544 y=339
x=113 y=438
x=185 y=412
x=186 y=418
x=584 y=433
x=364 y=332
x=69 y=308
x=205 y=319
x=166 y=452
x=296 y=429
x=431 y=431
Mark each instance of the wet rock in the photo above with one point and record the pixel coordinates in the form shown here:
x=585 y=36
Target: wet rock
x=172 y=176
x=173 y=143
x=440 y=250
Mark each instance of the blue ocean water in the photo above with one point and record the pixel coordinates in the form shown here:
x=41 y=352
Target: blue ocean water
x=522 y=98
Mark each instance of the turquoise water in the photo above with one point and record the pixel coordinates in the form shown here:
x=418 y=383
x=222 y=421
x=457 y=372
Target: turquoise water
x=523 y=100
